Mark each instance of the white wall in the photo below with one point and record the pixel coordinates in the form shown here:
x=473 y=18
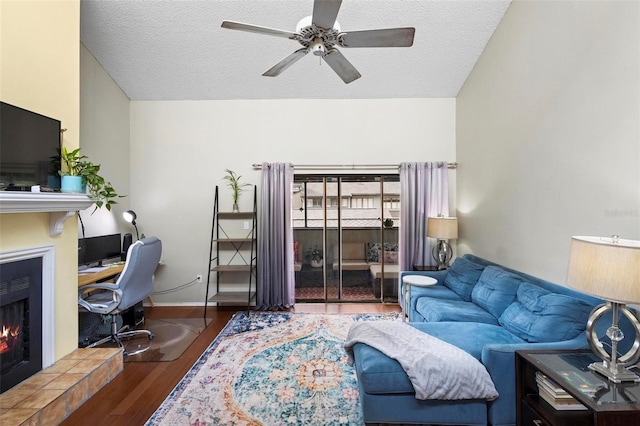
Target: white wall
x=104 y=138
x=180 y=149
x=548 y=134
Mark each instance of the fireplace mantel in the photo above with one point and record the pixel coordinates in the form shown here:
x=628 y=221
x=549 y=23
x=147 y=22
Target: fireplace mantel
x=60 y=206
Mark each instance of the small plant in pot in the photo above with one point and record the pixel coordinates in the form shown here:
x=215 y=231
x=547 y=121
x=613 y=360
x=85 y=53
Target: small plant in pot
x=314 y=256
x=80 y=175
x=388 y=223
x=233 y=182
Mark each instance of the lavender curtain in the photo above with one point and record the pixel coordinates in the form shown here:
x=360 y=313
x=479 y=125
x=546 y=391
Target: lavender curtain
x=424 y=192
x=276 y=282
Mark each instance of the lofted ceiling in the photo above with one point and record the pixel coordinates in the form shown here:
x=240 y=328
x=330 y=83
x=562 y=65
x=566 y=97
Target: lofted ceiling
x=176 y=49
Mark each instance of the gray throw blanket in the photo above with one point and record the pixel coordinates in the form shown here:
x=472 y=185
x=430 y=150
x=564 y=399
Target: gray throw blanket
x=437 y=369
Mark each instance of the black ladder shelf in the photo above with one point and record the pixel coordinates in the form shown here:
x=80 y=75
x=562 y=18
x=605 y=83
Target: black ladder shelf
x=238 y=247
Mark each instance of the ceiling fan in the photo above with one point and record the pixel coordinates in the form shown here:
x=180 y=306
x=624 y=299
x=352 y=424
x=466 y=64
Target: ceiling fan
x=320 y=33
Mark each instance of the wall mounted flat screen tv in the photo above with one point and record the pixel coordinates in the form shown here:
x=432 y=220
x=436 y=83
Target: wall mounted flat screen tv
x=29 y=149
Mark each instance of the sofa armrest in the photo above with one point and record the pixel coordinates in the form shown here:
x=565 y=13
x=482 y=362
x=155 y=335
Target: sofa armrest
x=500 y=361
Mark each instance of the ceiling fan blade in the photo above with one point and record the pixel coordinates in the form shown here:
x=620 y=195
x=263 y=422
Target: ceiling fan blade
x=260 y=30
x=341 y=66
x=275 y=70
x=391 y=37
x=325 y=13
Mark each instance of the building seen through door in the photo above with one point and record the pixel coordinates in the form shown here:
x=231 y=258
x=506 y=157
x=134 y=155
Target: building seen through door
x=345 y=230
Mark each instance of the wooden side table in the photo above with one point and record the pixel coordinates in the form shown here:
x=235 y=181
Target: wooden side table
x=611 y=404
x=409 y=281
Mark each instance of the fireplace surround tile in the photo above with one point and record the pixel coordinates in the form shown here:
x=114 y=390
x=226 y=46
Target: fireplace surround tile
x=54 y=412
x=51 y=395
x=41 y=398
x=77 y=395
x=20 y=416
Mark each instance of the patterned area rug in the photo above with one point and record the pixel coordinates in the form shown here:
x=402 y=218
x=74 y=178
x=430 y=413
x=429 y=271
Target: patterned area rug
x=271 y=369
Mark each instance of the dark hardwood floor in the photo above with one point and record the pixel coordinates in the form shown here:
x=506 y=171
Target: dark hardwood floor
x=133 y=396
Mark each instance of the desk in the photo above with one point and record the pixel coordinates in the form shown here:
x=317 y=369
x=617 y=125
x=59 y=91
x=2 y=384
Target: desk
x=94 y=277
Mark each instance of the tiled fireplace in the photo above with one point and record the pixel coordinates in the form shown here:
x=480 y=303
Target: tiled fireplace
x=58 y=387
x=20 y=321
x=26 y=314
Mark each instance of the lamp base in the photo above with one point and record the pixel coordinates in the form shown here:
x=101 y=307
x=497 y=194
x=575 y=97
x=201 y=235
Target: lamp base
x=442 y=253
x=617 y=375
x=613 y=364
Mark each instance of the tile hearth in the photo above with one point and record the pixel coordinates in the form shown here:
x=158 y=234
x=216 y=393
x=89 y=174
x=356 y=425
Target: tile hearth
x=51 y=395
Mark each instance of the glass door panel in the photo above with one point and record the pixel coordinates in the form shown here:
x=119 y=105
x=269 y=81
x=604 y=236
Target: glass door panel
x=343 y=217
x=332 y=232
x=390 y=225
x=308 y=236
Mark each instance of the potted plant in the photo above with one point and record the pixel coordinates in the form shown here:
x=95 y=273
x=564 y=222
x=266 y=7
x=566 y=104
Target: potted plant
x=314 y=255
x=236 y=187
x=388 y=223
x=80 y=175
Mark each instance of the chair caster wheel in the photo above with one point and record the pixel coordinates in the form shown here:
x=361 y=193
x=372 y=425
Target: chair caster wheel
x=152 y=336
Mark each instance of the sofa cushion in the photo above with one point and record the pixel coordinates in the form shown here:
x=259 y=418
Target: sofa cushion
x=379 y=374
x=539 y=315
x=389 y=256
x=463 y=276
x=435 y=310
x=373 y=251
x=469 y=336
x=496 y=289
x=437 y=291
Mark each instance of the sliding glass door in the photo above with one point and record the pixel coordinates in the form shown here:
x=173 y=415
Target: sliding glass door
x=346 y=237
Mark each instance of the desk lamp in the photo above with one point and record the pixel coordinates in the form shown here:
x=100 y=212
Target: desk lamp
x=130 y=216
x=443 y=229
x=608 y=268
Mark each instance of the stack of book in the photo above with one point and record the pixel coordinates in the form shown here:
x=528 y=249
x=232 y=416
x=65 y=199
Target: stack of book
x=557 y=397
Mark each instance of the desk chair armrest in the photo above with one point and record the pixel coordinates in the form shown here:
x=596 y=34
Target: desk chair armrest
x=101 y=306
x=98 y=286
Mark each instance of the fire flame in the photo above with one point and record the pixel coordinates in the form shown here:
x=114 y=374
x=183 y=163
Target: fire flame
x=8 y=337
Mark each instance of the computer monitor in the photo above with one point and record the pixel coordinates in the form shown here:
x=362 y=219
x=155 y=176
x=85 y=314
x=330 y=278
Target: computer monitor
x=98 y=249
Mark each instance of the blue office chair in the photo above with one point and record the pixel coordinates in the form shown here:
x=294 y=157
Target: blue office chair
x=134 y=284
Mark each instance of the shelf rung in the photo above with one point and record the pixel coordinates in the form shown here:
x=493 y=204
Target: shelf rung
x=233 y=268
x=232 y=240
x=234 y=215
x=232 y=297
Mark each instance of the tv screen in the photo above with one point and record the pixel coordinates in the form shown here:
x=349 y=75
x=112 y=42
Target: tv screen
x=95 y=250
x=29 y=149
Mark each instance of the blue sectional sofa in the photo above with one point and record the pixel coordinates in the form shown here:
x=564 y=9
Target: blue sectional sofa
x=489 y=311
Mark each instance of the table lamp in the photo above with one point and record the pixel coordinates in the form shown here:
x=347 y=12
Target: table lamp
x=130 y=216
x=443 y=229
x=608 y=268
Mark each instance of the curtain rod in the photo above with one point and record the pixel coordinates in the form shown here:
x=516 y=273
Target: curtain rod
x=348 y=166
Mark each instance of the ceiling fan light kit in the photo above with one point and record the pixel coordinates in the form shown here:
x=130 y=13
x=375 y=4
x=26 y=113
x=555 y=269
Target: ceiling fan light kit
x=320 y=33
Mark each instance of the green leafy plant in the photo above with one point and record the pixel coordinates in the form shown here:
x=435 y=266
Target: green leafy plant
x=314 y=254
x=73 y=163
x=388 y=223
x=233 y=182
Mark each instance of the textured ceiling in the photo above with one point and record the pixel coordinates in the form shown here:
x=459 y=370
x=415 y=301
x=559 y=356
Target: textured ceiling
x=176 y=50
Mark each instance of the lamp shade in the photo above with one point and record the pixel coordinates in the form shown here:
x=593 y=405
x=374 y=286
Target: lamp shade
x=605 y=267
x=442 y=228
x=130 y=216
